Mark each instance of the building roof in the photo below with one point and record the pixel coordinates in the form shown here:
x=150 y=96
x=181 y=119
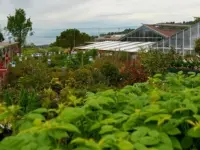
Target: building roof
x=107 y=39
x=6 y=44
x=117 y=46
x=167 y=32
x=114 y=37
x=175 y=25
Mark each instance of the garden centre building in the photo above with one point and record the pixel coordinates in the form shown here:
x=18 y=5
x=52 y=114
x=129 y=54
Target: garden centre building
x=162 y=37
x=7 y=50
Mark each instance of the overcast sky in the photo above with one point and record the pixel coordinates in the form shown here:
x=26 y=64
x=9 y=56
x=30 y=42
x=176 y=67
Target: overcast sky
x=100 y=13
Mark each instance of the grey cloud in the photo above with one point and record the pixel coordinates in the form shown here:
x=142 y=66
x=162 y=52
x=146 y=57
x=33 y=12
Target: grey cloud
x=62 y=5
x=21 y=3
x=114 y=15
x=93 y=13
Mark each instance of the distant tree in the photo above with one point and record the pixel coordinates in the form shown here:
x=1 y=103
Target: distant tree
x=1 y=37
x=196 y=19
x=70 y=38
x=197 y=46
x=19 y=26
x=127 y=31
x=31 y=45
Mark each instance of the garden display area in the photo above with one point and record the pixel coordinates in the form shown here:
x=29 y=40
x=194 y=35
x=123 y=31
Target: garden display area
x=81 y=101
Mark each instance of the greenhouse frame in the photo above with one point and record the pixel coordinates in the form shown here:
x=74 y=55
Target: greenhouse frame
x=182 y=42
x=163 y=37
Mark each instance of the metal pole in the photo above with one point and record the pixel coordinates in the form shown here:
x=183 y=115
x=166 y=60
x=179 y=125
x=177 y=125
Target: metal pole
x=74 y=38
x=176 y=44
x=190 y=41
x=183 y=41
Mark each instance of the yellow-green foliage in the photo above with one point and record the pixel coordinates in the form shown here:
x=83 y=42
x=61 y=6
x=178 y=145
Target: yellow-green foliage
x=79 y=78
x=155 y=61
x=161 y=114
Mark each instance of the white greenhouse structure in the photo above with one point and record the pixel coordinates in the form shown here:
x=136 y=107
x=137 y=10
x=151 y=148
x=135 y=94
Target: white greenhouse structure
x=182 y=42
x=164 y=37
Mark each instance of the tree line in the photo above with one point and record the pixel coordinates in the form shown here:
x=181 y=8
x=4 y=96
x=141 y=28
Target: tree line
x=122 y=32
x=19 y=26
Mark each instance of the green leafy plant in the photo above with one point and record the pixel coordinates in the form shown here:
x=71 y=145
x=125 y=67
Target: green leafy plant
x=111 y=73
x=131 y=73
x=155 y=61
x=197 y=46
x=30 y=74
x=162 y=113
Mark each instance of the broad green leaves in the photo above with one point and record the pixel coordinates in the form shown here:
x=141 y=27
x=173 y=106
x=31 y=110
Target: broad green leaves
x=70 y=114
x=125 y=145
x=107 y=129
x=160 y=119
x=158 y=115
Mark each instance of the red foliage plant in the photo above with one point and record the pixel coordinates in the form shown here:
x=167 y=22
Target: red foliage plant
x=132 y=72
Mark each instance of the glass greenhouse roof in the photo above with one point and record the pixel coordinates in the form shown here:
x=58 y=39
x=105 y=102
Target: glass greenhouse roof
x=117 y=46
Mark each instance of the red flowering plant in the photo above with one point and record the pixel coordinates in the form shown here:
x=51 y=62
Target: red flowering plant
x=132 y=72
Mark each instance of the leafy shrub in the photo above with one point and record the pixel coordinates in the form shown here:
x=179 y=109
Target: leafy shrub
x=71 y=97
x=132 y=72
x=59 y=60
x=98 y=77
x=80 y=78
x=197 y=46
x=186 y=64
x=72 y=62
x=55 y=49
x=83 y=58
x=161 y=114
x=155 y=61
x=47 y=98
x=111 y=73
x=29 y=74
x=99 y=62
x=26 y=99
x=93 y=53
x=56 y=85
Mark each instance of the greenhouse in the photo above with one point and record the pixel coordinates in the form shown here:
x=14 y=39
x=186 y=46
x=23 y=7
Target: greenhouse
x=130 y=47
x=182 y=42
x=152 y=32
x=144 y=37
